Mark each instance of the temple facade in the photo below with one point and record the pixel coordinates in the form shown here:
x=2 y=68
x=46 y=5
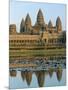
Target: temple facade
x=40 y=34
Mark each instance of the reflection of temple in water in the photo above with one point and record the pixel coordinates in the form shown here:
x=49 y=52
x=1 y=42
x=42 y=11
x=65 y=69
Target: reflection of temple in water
x=59 y=73
x=13 y=73
x=40 y=75
x=40 y=78
x=51 y=72
x=27 y=75
x=23 y=75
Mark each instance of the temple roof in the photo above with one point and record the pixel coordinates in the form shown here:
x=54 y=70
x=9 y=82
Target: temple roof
x=22 y=23
x=40 y=18
x=50 y=24
x=28 y=19
x=40 y=14
x=58 y=21
x=12 y=28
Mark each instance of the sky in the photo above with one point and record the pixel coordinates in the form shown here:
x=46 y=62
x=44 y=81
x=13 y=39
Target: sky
x=19 y=10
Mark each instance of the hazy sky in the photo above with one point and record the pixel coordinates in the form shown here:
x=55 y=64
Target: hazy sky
x=19 y=10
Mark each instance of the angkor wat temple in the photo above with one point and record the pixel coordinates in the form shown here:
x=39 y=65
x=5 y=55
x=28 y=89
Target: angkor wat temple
x=38 y=34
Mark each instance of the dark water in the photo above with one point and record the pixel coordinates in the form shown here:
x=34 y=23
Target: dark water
x=29 y=79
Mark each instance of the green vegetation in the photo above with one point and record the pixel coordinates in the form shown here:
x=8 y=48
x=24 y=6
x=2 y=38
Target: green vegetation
x=42 y=52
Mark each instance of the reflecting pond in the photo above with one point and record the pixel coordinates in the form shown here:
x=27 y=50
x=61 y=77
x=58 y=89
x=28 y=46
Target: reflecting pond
x=46 y=73
x=33 y=79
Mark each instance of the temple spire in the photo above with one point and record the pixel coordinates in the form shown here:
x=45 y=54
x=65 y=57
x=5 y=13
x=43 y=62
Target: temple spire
x=40 y=18
x=22 y=26
x=50 y=24
x=59 y=24
x=28 y=20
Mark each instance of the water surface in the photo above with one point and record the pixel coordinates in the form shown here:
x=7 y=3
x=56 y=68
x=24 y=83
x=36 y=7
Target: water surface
x=29 y=79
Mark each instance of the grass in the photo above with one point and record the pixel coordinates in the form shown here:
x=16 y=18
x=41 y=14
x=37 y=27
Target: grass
x=41 y=52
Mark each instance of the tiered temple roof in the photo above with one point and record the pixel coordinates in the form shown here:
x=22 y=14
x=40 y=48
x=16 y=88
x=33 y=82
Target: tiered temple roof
x=27 y=28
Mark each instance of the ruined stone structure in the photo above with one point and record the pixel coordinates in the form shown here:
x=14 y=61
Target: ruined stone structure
x=41 y=34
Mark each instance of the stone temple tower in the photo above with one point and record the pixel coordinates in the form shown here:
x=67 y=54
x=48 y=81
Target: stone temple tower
x=50 y=26
x=28 y=21
x=28 y=24
x=22 y=25
x=58 y=24
x=25 y=26
x=12 y=29
x=40 y=18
